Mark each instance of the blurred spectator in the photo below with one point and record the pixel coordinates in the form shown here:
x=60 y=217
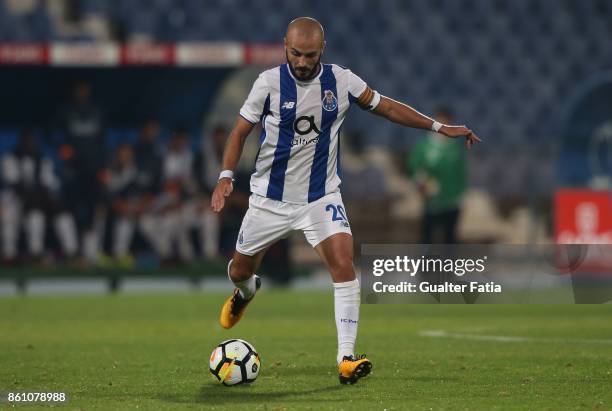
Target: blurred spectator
x=149 y=159
x=208 y=166
x=211 y=157
x=179 y=188
x=362 y=176
x=31 y=198
x=438 y=166
x=82 y=124
x=124 y=200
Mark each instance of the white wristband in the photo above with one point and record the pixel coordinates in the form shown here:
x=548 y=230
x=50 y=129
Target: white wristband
x=226 y=174
x=436 y=126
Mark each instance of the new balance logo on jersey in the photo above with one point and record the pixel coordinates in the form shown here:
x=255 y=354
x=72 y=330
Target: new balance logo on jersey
x=288 y=105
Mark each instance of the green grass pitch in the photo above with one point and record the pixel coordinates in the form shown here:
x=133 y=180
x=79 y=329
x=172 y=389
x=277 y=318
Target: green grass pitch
x=151 y=352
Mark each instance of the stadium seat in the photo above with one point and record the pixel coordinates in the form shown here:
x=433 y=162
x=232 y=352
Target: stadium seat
x=490 y=48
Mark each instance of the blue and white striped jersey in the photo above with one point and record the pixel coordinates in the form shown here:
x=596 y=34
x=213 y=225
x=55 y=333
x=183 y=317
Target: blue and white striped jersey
x=298 y=159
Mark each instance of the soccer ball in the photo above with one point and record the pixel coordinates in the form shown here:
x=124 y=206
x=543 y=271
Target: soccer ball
x=235 y=362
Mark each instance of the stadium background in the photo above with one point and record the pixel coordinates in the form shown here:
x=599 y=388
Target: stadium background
x=531 y=77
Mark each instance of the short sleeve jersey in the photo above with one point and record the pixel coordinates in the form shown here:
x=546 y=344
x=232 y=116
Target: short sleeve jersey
x=298 y=159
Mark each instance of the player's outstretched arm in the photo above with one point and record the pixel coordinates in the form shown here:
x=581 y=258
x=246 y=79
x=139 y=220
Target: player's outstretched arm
x=231 y=156
x=407 y=116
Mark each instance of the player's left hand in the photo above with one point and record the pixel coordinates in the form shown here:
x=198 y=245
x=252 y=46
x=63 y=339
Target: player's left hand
x=461 y=131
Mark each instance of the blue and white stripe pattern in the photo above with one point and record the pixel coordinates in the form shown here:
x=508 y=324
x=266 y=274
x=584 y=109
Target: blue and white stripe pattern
x=298 y=159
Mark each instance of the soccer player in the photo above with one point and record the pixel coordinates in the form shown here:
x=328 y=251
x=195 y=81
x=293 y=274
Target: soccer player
x=301 y=106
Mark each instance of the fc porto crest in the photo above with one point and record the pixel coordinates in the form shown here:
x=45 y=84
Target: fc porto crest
x=330 y=103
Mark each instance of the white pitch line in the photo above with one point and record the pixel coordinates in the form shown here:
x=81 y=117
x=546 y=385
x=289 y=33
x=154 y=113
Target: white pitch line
x=507 y=338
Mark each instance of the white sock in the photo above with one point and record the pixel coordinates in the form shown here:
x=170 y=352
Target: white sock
x=9 y=226
x=123 y=232
x=209 y=233
x=90 y=246
x=153 y=229
x=346 y=307
x=35 y=227
x=247 y=287
x=66 y=230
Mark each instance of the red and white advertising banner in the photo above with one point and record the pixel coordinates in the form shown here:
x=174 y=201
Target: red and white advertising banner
x=83 y=54
x=210 y=54
x=264 y=54
x=24 y=54
x=219 y=54
x=147 y=54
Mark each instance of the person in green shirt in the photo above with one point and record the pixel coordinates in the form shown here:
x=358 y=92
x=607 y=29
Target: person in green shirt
x=438 y=166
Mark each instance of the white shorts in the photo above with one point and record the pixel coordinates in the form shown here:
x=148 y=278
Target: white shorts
x=267 y=221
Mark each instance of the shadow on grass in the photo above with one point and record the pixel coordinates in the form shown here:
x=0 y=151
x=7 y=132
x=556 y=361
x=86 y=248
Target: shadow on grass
x=291 y=370
x=434 y=379
x=215 y=394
